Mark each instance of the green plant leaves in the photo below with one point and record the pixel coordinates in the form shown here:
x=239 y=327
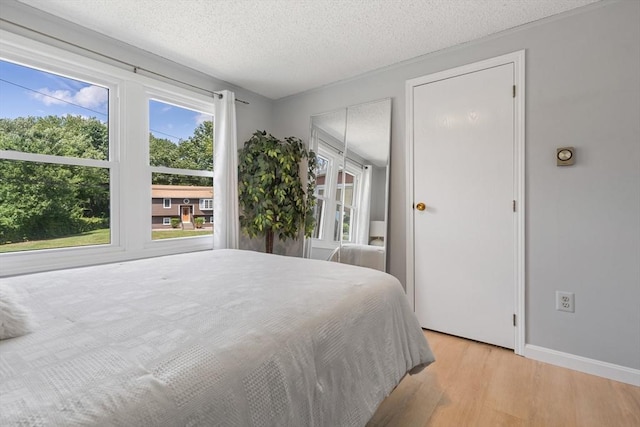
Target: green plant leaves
x=274 y=194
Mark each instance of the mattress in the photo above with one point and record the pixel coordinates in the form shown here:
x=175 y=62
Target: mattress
x=213 y=338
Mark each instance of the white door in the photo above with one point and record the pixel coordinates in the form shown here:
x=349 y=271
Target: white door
x=464 y=174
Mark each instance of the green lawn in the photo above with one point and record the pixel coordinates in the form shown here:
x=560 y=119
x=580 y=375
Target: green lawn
x=96 y=237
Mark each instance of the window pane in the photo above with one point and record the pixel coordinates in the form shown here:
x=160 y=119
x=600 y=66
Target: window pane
x=346 y=225
x=191 y=206
x=45 y=206
x=179 y=137
x=336 y=224
x=348 y=194
x=348 y=185
x=321 y=175
x=321 y=165
x=348 y=190
x=319 y=215
x=45 y=113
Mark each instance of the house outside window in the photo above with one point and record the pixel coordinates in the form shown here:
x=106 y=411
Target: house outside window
x=186 y=214
x=167 y=203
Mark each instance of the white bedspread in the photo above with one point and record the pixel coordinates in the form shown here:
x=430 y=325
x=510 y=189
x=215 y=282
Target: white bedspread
x=214 y=338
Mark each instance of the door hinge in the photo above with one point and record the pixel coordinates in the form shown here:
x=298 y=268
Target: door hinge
x=514 y=91
x=514 y=319
x=514 y=205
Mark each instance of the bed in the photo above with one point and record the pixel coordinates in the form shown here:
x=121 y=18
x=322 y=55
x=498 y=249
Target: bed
x=213 y=338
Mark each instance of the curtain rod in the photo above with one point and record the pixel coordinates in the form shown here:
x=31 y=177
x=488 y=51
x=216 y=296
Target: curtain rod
x=134 y=68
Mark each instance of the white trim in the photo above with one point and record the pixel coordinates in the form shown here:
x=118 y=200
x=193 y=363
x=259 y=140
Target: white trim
x=176 y=171
x=57 y=160
x=518 y=59
x=166 y=220
x=164 y=202
x=584 y=364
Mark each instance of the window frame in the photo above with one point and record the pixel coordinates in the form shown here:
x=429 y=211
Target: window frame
x=128 y=162
x=166 y=220
x=334 y=159
x=164 y=202
x=353 y=169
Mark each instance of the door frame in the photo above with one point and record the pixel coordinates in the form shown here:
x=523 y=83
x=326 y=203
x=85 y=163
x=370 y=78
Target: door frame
x=518 y=60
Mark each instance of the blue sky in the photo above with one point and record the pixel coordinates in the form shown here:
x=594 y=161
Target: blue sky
x=29 y=92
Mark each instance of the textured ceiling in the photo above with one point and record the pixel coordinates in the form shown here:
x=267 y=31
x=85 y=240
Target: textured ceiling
x=281 y=47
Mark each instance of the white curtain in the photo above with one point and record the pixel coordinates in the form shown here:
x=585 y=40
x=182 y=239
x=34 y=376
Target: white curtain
x=226 y=225
x=364 y=206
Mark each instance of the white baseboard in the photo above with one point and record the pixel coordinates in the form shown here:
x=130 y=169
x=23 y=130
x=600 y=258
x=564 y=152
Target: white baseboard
x=583 y=364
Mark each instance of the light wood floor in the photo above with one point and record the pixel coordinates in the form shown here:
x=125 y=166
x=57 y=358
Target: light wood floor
x=475 y=384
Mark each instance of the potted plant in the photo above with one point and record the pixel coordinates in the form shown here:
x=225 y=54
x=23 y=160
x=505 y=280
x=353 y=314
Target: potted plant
x=275 y=198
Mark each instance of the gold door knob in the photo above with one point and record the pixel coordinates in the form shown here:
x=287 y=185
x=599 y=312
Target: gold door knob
x=421 y=206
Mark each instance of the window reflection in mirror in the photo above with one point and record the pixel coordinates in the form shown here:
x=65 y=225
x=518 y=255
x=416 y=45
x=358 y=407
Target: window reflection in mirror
x=352 y=145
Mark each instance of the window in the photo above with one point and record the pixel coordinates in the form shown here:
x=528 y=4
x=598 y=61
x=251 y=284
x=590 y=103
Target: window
x=55 y=167
x=211 y=219
x=71 y=175
x=166 y=221
x=336 y=193
x=181 y=161
x=346 y=181
x=321 y=176
x=206 y=204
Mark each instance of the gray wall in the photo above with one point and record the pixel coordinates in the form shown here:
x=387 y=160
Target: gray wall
x=582 y=222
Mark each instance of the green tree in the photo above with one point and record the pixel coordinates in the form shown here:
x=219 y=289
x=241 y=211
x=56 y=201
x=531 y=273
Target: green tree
x=274 y=198
x=162 y=152
x=39 y=200
x=196 y=152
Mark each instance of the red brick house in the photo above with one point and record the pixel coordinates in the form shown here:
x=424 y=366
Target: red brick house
x=184 y=202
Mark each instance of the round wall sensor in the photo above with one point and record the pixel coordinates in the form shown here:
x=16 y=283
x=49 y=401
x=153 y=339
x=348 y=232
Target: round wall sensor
x=565 y=156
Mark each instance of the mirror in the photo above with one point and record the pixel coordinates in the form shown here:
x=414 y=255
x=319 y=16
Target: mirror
x=352 y=176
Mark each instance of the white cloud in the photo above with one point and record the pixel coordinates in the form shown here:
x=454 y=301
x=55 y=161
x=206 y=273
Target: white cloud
x=91 y=96
x=202 y=117
x=88 y=97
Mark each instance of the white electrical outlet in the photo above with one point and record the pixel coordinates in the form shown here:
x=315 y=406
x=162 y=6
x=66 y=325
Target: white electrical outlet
x=565 y=301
